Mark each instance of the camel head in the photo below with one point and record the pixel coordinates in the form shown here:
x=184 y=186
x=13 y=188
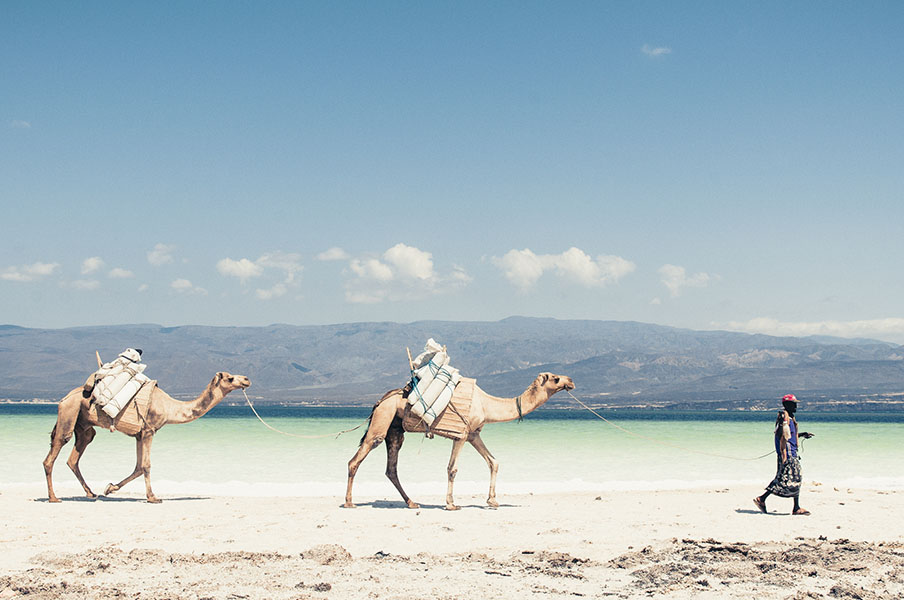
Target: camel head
x=553 y=383
x=229 y=382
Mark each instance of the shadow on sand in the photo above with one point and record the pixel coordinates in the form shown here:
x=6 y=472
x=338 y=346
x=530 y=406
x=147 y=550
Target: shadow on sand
x=399 y=504
x=115 y=499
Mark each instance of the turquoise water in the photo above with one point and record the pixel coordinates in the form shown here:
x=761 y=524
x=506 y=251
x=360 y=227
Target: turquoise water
x=229 y=452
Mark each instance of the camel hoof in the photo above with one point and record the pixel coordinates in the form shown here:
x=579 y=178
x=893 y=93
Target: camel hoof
x=413 y=504
x=452 y=507
x=491 y=502
x=91 y=495
x=54 y=500
x=349 y=505
x=110 y=489
x=154 y=500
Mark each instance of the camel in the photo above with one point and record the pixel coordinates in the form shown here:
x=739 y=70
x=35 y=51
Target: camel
x=76 y=414
x=386 y=424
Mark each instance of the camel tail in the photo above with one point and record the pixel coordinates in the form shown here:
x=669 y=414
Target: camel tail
x=370 y=418
x=53 y=434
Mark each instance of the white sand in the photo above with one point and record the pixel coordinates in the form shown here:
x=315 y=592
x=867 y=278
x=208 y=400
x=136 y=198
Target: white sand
x=702 y=543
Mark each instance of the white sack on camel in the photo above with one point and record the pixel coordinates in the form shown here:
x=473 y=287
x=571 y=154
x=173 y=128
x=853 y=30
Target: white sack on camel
x=117 y=381
x=432 y=382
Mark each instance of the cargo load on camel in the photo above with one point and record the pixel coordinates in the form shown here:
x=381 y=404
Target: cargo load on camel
x=433 y=380
x=115 y=383
x=438 y=397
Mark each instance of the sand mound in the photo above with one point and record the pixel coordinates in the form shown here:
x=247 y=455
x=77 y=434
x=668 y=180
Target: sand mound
x=811 y=568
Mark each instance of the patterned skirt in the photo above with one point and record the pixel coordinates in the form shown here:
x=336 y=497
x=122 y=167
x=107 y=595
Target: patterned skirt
x=787 y=478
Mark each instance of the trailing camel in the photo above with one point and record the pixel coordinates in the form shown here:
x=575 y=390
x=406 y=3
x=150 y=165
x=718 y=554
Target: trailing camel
x=386 y=423
x=76 y=414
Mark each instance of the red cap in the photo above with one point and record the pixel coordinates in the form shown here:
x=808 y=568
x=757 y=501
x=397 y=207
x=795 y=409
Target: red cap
x=789 y=398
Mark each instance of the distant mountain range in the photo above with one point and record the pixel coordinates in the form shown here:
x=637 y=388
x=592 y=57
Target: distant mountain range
x=613 y=363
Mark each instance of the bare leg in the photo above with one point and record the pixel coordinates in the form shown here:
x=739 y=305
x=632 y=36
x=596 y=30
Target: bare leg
x=478 y=444
x=380 y=420
x=457 y=445
x=394 y=439
x=83 y=437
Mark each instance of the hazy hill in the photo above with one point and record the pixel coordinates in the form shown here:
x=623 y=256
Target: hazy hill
x=615 y=362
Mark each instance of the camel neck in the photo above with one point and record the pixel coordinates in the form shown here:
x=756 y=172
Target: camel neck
x=500 y=410
x=184 y=412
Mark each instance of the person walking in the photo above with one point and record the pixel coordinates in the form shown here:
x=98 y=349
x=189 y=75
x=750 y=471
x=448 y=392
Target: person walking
x=786 y=483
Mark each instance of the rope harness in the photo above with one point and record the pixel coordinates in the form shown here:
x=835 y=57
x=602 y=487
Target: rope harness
x=295 y=435
x=655 y=441
x=520 y=418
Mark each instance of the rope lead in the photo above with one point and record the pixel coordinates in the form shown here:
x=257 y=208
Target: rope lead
x=655 y=441
x=295 y=435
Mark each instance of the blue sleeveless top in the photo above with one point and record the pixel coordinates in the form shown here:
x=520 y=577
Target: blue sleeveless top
x=792 y=443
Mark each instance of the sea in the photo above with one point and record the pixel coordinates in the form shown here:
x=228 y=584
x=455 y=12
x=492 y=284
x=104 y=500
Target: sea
x=229 y=452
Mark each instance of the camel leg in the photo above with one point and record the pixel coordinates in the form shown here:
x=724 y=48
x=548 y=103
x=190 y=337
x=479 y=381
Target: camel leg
x=57 y=441
x=83 y=437
x=478 y=444
x=142 y=467
x=394 y=439
x=67 y=415
x=380 y=420
x=457 y=445
x=145 y=442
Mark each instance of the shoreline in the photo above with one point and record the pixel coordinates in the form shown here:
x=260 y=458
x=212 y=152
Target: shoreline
x=557 y=545
x=895 y=407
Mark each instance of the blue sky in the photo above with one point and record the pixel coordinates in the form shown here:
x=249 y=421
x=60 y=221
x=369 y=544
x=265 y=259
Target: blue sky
x=704 y=165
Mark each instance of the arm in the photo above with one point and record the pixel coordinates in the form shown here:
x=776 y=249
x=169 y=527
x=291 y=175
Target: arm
x=783 y=442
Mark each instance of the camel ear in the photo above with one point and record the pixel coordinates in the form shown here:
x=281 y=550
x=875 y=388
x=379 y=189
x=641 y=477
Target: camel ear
x=216 y=378
x=543 y=378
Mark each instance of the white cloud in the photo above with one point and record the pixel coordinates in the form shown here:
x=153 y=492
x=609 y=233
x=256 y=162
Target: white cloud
x=655 y=52
x=888 y=329
x=242 y=268
x=90 y=265
x=30 y=272
x=334 y=253
x=410 y=263
x=283 y=265
x=675 y=278
x=274 y=292
x=184 y=286
x=17 y=124
x=576 y=265
x=371 y=268
x=85 y=284
x=460 y=276
x=287 y=262
x=143 y=287
x=402 y=272
x=120 y=273
x=161 y=254
x=523 y=268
